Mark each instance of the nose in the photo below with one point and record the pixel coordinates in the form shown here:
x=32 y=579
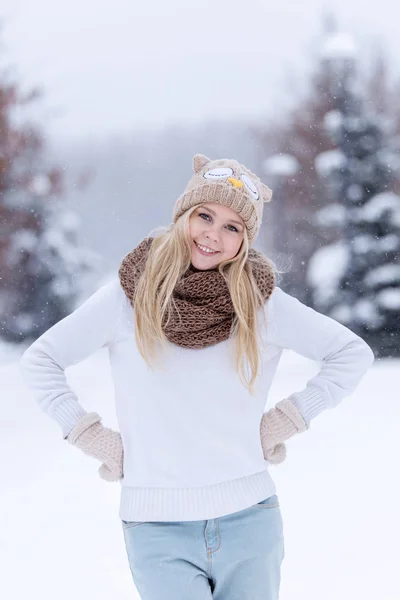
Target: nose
x=212 y=235
x=211 y=232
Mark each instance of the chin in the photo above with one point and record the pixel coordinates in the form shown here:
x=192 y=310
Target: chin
x=204 y=265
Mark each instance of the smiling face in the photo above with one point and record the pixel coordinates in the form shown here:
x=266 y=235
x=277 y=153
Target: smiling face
x=214 y=227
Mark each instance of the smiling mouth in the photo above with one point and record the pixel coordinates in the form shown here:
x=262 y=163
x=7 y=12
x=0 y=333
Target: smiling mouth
x=208 y=252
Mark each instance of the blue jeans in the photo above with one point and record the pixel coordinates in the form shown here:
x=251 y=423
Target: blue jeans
x=235 y=557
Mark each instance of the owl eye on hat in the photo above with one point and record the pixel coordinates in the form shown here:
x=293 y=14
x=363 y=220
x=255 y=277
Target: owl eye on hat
x=225 y=181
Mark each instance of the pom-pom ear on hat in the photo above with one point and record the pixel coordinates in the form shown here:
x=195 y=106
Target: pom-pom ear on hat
x=266 y=193
x=200 y=161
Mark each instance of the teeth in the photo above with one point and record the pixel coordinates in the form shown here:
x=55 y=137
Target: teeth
x=206 y=249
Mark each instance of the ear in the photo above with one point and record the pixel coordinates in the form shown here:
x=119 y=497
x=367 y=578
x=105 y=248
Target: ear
x=199 y=161
x=266 y=193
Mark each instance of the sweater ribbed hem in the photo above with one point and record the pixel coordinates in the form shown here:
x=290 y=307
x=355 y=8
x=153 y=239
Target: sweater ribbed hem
x=309 y=402
x=196 y=503
x=67 y=414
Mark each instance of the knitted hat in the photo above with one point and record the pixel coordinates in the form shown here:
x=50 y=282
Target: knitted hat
x=225 y=181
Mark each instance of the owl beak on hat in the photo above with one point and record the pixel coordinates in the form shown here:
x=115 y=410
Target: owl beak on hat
x=236 y=182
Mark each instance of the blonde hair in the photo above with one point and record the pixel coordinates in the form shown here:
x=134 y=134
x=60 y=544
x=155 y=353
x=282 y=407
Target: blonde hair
x=168 y=259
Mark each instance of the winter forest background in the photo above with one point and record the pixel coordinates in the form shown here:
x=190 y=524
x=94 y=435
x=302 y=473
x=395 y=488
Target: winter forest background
x=92 y=159
x=70 y=211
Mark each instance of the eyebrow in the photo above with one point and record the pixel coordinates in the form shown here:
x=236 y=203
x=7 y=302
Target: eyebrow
x=214 y=213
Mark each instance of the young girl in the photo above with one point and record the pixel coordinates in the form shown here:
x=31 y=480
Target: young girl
x=195 y=327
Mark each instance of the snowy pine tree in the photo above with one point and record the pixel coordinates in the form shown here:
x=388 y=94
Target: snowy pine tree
x=297 y=139
x=41 y=265
x=357 y=279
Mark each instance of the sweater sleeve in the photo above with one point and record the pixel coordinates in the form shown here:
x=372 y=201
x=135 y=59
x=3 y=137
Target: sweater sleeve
x=345 y=356
x=71 y=340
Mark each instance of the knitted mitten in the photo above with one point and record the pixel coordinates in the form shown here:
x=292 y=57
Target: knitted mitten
x=275 y=455
x=99 y=442
x=277 y=425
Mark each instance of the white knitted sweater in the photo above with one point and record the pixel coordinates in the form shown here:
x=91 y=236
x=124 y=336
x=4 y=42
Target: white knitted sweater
x=191 y=430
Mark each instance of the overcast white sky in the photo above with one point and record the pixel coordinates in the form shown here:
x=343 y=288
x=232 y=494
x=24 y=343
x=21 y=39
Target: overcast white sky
x=112 y=66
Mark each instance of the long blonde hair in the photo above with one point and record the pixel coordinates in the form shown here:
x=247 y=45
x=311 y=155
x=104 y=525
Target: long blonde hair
x=168 y=259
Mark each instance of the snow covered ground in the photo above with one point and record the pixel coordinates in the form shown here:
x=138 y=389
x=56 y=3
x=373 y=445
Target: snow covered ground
x=60 y=535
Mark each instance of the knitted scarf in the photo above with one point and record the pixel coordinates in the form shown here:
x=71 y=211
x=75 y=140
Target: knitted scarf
x=203 y=312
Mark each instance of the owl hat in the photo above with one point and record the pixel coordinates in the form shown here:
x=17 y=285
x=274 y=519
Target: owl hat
x=225 y=181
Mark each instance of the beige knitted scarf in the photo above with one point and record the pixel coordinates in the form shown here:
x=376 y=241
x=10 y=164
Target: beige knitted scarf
x=203 y=312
